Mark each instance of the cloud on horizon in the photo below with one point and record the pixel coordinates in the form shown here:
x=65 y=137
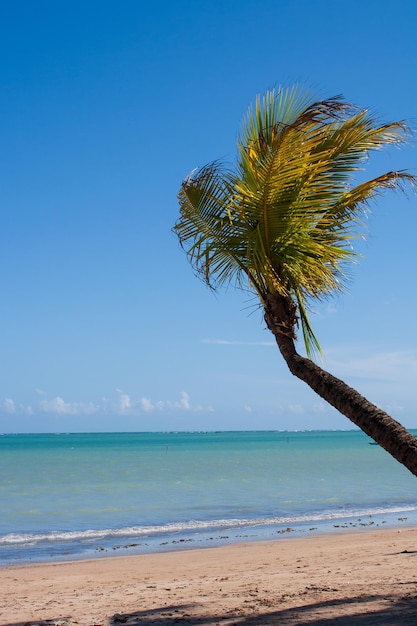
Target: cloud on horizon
x=10 y=407
x=122 y=405
x=58 y=406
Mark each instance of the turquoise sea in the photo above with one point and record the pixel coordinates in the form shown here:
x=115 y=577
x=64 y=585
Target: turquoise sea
x=69 y=496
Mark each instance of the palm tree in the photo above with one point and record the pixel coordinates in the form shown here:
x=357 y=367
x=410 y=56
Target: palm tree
x=281 y=224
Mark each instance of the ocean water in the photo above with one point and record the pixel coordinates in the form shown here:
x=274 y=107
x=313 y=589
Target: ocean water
x=69 y=496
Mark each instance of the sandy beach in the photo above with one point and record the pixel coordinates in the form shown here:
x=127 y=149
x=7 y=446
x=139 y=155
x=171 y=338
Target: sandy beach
x=346 y=578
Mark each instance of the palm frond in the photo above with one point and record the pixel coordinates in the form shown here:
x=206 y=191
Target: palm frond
x=291 y=181
x=311 y=343
x=208 y=228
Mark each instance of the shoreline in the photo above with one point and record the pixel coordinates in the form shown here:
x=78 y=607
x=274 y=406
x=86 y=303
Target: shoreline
x=358 y=576
x=130 y=544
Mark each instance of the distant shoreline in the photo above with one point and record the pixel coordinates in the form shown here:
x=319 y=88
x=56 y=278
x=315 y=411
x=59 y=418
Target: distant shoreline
x=185 y=432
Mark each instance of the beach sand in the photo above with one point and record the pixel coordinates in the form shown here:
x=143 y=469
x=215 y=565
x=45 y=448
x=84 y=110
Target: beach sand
x=346 y=578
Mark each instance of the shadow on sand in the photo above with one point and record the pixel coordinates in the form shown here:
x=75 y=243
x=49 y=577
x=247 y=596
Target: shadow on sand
x=400 y=611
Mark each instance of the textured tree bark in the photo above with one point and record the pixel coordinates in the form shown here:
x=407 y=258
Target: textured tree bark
x=386 y=431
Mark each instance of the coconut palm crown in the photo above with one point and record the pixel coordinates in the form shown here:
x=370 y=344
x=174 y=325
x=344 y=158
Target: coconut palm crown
x=282 y=221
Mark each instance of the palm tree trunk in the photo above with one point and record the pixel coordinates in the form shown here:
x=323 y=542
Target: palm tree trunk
x=386 y=431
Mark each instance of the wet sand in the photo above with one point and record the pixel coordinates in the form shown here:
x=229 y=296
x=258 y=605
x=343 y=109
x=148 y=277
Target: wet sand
x=347 y=578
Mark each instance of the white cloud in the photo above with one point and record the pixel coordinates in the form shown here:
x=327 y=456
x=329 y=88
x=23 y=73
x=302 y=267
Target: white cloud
x=125 y=402
x=147 y=405
x=185 y=400
x=9 y=406
x=60 y=407
x=184 y=403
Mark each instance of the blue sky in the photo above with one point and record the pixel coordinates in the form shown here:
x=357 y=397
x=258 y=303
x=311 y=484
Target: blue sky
x=105 y=107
